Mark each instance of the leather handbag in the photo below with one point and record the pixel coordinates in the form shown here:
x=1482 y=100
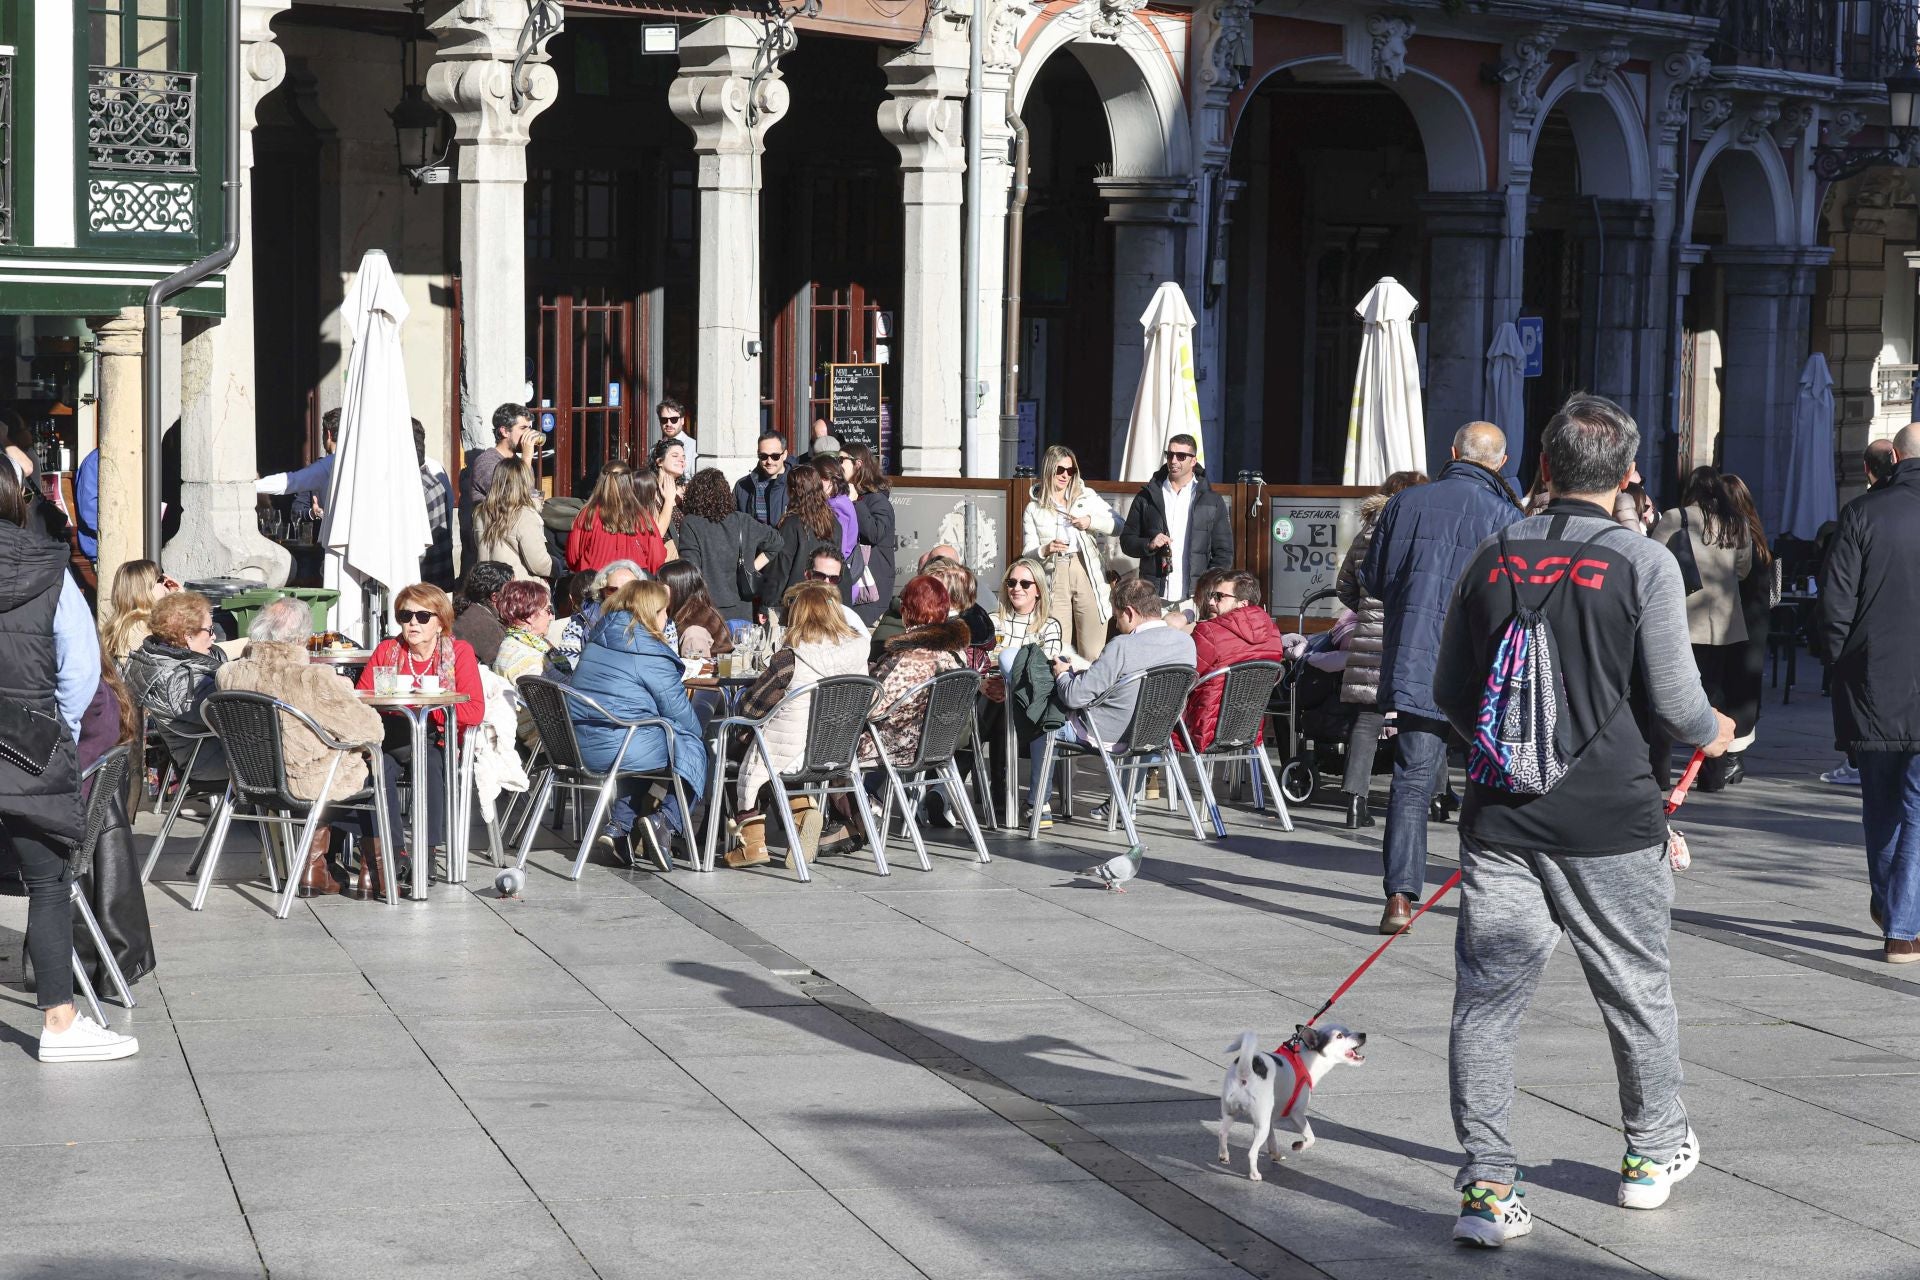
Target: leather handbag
x=746 y=578
x=1681 y=544
x=28 y=738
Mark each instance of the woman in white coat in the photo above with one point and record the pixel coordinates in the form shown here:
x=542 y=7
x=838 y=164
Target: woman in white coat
x=1059 y=530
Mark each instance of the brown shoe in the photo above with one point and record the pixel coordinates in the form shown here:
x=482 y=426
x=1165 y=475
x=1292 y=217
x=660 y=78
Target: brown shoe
x=1902 y=952
x=317 y=879
x=371 y=883
x=1398 y=915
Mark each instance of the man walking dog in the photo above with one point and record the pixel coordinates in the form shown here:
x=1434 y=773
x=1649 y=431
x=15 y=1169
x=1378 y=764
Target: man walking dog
x=1611 y=612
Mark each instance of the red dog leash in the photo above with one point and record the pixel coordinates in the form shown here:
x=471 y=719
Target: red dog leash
x=1674 y=801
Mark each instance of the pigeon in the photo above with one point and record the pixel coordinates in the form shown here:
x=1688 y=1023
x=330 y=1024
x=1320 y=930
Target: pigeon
x=1117 y=871
x=510 y=882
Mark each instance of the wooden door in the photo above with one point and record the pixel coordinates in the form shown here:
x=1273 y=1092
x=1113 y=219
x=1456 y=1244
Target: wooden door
x=589 y=375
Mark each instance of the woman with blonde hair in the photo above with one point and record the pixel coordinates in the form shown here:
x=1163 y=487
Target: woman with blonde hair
x=1059 y=530
x=619 y=522
x=818 y=642
x=508 y=522
x=137 y=586
x=630 y=670
x=1023 y=617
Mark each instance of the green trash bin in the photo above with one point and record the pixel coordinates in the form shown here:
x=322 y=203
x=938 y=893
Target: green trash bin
x=320 y=600
x=245 y=605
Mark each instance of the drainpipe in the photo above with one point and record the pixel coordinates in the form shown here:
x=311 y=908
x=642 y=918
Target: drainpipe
x=184 y=279
x=970 y=250
x=1010 y=326
x=1599 y=290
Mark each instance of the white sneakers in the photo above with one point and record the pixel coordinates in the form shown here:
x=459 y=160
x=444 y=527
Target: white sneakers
x=85 y=1041
x=1646 y=1184
x=1487 y=1220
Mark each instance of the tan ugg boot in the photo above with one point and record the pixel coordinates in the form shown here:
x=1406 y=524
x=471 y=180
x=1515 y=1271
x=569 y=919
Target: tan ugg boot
x=753 y=844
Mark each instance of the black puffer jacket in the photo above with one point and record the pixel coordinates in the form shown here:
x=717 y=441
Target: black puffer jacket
x=1869 y=601
x=32 y=569
x=172 y=684
x=1209 y=530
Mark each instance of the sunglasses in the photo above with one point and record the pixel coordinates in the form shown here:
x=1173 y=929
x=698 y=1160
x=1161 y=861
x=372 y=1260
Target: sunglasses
x=204 y=631
x=671 y=419
x=1173 y=456
x=1221 y=595
x=1020 y=584
x=773 y=457
x=421 y=616
x=814 y=575
x=1066 y=471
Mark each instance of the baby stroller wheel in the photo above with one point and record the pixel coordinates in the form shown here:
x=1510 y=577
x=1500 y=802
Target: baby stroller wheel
x=1297 y=781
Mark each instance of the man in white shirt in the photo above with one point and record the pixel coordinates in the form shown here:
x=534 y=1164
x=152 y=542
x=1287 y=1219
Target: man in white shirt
x=1178 y=527
x=674 y=425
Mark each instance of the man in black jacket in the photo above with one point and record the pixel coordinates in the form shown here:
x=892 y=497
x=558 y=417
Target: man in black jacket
x=1178 y=527
x=1869 y=601
x=1589 y=856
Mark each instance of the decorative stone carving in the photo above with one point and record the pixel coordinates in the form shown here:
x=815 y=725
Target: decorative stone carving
x=1111 y=17
x=471 y=78
x=1229 y=47
x=1390 y=35
x=1002 y=52
x=1711 y=109
x=1686 y=69
x=1527 y=56
x=1795 y=116
x=1846 y=122
x=1604 y=62
x=1759 y=119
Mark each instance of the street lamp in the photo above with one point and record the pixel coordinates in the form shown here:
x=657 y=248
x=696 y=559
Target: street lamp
x=1903 y=99
x=419 y=127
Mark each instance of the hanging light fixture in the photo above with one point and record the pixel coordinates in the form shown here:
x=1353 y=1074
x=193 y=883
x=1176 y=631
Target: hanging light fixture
x=419 y=128
x=1903 y=102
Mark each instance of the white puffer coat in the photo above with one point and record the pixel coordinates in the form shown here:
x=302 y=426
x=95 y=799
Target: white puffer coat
x=786 y=730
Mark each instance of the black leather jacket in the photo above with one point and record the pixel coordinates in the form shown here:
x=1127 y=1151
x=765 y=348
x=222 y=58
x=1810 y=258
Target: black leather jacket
x=171 y=683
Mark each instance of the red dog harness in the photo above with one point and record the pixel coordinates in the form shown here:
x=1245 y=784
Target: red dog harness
x=1301 y=1080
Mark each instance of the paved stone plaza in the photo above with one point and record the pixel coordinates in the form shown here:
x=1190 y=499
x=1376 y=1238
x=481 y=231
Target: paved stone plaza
x=977 y=1072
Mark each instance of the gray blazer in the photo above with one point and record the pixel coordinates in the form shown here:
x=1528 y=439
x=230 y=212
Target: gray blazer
x=1155 y=645
x=1714 y=614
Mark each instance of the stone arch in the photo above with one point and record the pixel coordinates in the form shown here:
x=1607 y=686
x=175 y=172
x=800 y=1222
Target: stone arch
x=1456 y=157
x=1607 y=133
x=1139 y=87
x=1758 y=189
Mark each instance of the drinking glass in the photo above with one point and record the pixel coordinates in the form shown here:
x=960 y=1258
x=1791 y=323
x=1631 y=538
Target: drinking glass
x=386 y=681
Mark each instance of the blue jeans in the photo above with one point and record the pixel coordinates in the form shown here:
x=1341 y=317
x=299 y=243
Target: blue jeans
x=1418 y=762
x=1065 y=733
x=620 y=819
x=1890 y=811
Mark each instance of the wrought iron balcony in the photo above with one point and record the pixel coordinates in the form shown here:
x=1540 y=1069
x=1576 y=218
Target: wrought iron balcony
x=1877 y=38
x=1894 y=384
x=140 y=120
x=1781 y=35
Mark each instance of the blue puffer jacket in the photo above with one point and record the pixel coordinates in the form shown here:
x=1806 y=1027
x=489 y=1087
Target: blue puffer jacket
x=1423 y=540
x=635 y=676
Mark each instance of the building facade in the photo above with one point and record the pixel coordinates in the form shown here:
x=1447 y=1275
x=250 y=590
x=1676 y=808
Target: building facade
x=613 y=201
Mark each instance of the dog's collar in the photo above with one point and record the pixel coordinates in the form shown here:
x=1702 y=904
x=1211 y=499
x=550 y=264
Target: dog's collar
x=1301 y=1080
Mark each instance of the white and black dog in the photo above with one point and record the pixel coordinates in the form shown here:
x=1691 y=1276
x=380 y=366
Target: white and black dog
x=1263 y=1088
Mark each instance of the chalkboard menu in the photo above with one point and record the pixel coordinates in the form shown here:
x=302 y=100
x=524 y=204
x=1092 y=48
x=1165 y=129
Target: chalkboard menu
x=853 y=394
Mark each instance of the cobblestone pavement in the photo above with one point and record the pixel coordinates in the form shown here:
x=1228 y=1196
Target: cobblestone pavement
x=980 y=1071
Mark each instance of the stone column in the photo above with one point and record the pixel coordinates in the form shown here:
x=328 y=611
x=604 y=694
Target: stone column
x=1219 y=53
x=1769 y=293
x=923 y=117
x=1466 y=234
x=1006 y=20
x=219 y=535
x=472 y=80
x=714 y=96
x=1150 y=218
x=122 y=482
x=1622 y=323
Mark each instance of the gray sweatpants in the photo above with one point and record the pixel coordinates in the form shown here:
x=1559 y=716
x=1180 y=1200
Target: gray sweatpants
x=1616 y=909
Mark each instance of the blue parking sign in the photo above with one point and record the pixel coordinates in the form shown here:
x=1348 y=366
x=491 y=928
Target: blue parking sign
x=1533 y=338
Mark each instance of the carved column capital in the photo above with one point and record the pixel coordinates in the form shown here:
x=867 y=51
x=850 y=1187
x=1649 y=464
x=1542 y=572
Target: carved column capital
x=924 y=113
x=1007 y=20
x=1524 y=66
x=472 y=80
x=1228 y=50
x=715 y=96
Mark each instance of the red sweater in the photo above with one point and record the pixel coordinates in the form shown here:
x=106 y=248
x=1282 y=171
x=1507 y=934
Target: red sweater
x=1245 y=635
x=590 y=548
x=466 y=679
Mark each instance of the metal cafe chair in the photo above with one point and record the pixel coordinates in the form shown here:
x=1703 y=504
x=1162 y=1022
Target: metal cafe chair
x=187 y=786
x=1245 y=690
x=945 y=727
x=108 y=779
x=551 y=704
x=1146 y=745
x=837 y=712
x=251 y=727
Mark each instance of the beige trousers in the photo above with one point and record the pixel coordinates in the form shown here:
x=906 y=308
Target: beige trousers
x=1072 y=601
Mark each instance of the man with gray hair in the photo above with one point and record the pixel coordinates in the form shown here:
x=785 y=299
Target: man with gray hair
x=1587 y=855
x=1420 y=543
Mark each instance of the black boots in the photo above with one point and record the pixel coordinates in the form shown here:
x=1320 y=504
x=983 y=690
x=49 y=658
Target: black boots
x=1359 y=814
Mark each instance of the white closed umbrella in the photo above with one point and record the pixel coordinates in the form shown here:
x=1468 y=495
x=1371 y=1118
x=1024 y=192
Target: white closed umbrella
x=1811 y=500
x=1507 y=389
x=1386 y=425
x=376 y=522
x=1167 y=402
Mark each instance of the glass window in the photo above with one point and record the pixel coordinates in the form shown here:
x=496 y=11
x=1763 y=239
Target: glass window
x=134 y=33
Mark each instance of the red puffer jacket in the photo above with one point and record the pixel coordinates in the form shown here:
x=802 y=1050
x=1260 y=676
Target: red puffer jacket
x=1245 y=635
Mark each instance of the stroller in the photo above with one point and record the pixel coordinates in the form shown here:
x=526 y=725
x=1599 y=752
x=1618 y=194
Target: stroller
x=1306 y=704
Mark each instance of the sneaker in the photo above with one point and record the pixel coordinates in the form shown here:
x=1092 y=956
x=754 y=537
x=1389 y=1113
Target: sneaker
x=1488 y=1221
x=85 y=1041
x=1843 y=775
x=1046 y=817
x=658 y=836
x=1646 y=1184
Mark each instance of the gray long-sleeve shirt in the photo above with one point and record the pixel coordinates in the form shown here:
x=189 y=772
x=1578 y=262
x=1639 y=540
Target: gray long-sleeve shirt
x=1619 y=618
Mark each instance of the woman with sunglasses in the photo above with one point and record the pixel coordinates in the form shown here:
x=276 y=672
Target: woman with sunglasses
x=1023 y=617
x=171 y=674
x=425 y=647
x=1060 y=530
